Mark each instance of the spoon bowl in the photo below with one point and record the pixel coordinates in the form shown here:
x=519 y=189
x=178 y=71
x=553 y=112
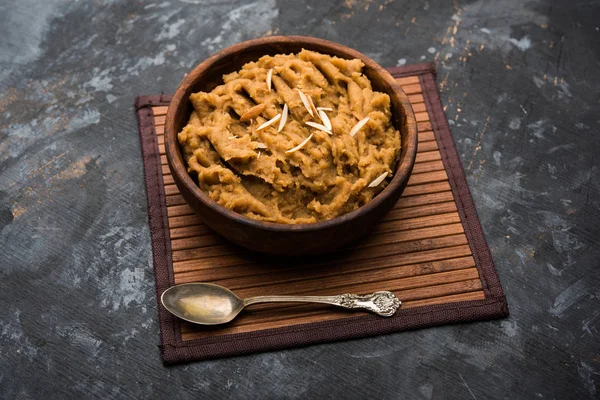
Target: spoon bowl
x=202 y=303
x=210 y=304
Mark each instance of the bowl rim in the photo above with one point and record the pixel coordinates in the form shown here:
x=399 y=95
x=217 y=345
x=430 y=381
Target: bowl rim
x=177 y=166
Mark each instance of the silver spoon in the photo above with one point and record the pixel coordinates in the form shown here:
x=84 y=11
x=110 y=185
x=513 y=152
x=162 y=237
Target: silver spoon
x=210 y=304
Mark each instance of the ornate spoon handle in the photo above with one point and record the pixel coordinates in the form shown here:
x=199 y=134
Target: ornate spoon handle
x=382 y=303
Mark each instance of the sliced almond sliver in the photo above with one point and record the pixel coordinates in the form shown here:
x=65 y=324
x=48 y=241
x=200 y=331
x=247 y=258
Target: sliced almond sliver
x=253 y=112
x=261 y=146
x=312 y=105
x=305 y=102
x=319 y=126
x=301 y=145
x=284 y=115
x=358 y=126
x=325 y=108
x=269 y=122
x=233 y=137
x=269 y=78
x=378 y=180
x=325 y=119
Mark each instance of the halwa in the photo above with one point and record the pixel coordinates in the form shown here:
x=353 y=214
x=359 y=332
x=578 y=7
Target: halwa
x=295 y=138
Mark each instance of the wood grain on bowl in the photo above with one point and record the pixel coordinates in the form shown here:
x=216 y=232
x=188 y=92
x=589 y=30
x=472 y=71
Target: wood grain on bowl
x=281 y=238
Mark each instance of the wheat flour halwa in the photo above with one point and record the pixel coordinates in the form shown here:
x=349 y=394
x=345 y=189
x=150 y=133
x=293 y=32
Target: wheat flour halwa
x=295 y=138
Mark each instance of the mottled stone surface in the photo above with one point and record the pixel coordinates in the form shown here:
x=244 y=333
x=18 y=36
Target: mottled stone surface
x=520 y=81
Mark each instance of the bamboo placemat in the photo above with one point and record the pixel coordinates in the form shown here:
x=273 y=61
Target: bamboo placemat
x=429 y=250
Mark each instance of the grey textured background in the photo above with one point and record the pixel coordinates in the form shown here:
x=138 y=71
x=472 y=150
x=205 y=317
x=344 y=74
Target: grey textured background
x=520 y=82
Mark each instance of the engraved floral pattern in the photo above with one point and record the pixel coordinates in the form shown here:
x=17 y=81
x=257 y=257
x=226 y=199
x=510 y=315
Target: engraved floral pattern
x=382 y=303
x=347 y=300
x=386 y=302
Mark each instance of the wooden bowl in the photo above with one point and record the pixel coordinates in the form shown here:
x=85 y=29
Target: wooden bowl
x=276 y=238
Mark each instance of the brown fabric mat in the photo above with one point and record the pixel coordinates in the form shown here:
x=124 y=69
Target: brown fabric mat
x=430 y=251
